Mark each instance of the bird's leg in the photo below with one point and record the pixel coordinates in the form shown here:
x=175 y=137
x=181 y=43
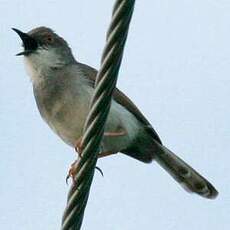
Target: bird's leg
x=115 y=134
x=73 y=170
x=78 y=148
x=111 y=134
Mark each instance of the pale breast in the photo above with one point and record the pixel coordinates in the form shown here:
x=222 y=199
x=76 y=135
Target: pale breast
x=64 y=106
x=64 y=103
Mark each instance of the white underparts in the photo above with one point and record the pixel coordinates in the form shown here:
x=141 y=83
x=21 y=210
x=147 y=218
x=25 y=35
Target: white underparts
x=40 y=62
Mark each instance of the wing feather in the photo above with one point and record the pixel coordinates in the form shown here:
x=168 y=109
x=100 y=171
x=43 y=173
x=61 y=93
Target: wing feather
x=123 y=100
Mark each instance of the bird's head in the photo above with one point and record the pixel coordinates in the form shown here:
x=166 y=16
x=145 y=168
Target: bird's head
x=44 y=49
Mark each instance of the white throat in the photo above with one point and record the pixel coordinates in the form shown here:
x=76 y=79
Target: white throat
x=39 y=64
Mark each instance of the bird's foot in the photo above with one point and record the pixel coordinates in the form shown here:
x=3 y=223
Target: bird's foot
x=73 y=170
x=100 y=171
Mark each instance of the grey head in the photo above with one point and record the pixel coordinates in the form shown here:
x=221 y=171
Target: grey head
x=44 y=49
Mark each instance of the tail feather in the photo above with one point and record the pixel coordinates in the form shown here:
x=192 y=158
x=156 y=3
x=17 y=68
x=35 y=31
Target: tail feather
x=190 y=179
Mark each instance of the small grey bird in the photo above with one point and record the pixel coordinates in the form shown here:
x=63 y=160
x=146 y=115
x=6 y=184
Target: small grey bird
x=63 y=89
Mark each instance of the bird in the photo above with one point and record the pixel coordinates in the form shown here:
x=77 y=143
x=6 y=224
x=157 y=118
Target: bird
x=63 y=88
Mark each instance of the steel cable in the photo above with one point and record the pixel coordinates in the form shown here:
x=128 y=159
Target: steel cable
x=94 y=126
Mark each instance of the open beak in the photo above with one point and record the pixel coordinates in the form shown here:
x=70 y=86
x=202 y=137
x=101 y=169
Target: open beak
x=29 y=43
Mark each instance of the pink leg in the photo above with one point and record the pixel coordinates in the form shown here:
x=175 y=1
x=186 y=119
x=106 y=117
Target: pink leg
x=78 y=148
x=74 y=166
x=73 y=170
x=115 y=134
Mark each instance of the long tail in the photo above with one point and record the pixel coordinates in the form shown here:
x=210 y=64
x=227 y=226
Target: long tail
x=191 y=180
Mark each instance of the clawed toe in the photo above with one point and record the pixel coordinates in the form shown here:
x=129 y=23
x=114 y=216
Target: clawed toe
x=100 y=171
x=72 y=172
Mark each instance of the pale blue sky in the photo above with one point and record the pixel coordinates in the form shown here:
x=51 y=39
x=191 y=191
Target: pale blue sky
x=176 y=68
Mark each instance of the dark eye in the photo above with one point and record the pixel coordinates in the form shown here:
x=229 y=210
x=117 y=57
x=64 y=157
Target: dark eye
x=49 y=39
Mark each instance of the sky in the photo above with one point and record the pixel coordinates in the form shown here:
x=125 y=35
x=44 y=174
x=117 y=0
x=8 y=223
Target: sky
x=176 y=69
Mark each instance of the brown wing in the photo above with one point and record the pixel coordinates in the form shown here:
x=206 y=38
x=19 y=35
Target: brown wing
x=123 y=100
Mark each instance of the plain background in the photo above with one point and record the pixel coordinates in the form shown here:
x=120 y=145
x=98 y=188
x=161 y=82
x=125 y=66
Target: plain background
x=176 y=69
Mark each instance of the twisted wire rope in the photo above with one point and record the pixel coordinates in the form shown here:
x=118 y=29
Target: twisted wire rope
x=100 y=105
